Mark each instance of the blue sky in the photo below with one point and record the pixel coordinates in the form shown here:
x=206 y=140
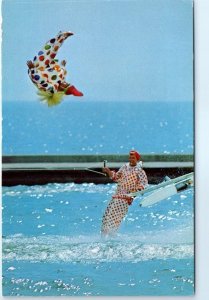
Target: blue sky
x=122 y=50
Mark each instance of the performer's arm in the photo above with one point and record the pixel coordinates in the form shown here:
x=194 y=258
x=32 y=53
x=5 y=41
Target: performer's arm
x=142 y=180
x=107 y=171
x=115 y=176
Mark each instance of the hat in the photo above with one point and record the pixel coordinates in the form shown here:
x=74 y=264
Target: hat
x=137 y=155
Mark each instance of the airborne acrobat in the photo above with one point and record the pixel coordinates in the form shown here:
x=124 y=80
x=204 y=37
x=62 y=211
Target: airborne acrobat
x=49 y=75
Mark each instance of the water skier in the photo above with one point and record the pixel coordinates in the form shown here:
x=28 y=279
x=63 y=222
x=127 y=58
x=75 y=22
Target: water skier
x=130 y=178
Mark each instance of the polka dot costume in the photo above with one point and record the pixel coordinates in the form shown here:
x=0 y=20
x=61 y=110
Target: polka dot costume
x=130 y=179
x=47 y=73
x=113 y=216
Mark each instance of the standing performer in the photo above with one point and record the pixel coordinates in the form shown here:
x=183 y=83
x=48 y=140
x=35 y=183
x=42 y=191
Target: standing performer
x=130 y=178
x=48 y=75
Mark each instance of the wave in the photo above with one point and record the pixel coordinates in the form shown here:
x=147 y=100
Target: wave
x=92 y=249
x=57 y=188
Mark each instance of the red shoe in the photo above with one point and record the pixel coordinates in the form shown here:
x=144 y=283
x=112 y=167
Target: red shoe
x=71 y=90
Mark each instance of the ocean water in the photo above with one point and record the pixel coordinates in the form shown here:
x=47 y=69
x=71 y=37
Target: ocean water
x=82 y=127
x=52 y=244
x=51 y=233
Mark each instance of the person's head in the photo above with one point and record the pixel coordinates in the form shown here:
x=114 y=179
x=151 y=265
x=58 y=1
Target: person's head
x=134 y=157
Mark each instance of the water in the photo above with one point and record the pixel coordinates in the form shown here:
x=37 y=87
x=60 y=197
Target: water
x=81 y=127
x=51 y=233
x=52 y=243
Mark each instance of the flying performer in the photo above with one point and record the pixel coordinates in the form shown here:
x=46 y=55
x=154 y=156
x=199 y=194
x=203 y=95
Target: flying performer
x=49 y=75
x=130 y=178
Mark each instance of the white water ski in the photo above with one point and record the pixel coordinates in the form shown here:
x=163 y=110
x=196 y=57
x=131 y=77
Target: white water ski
x=159 y=195
x=164 y=189
x=178 y=180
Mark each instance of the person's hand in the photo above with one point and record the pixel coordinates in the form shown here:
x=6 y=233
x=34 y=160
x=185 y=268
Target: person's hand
x=140 y=187
x=107 y=171
x=63 y=62
x=30 y=64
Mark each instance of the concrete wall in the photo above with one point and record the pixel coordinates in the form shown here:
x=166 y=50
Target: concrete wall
x=43 y=169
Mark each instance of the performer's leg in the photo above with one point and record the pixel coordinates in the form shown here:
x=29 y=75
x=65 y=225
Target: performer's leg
x=113 y=216
x=47 y=55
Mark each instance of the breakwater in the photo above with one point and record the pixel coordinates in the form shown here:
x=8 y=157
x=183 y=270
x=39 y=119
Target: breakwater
x=43 y=169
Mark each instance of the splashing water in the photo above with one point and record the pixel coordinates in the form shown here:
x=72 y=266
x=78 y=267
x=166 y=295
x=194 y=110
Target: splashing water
x=52 y=243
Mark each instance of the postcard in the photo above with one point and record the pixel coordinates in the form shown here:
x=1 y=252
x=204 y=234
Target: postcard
x=98 y=148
